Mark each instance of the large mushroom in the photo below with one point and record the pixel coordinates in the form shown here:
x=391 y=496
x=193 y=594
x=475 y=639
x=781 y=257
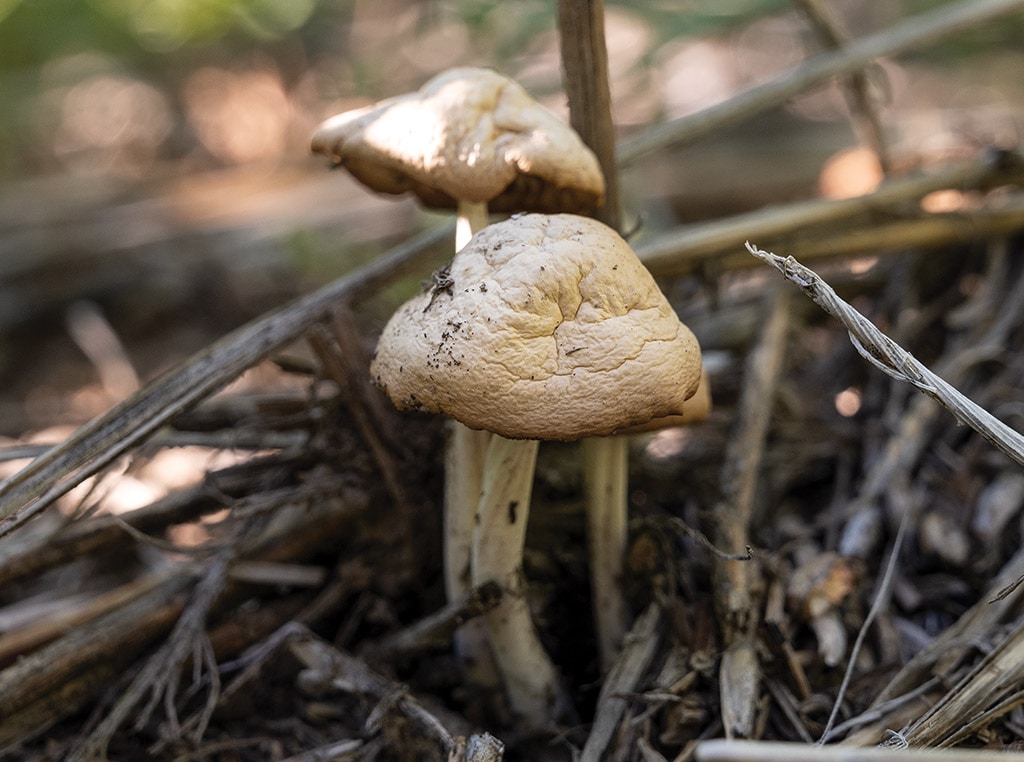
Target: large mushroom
x=473 y=140
x=551 y=329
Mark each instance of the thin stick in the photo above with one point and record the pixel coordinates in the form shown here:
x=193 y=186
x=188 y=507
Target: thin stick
x=912 y=32
x=741 y=471
x=109 y=436
x=759 y=751
x=436 y=629
x=605 y=459
x=886 y=355
x=881 y=598
x=735 y=599
x=863 y=103
x=585 y=63
x=640 y=647
x=685 y=249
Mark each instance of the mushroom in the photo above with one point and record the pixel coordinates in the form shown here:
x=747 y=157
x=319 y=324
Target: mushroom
x=470 y=139
x=473 y=140
x=552 y=329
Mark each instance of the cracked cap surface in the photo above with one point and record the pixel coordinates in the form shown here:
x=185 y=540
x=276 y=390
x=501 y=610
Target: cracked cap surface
x=468 y=134
x=548 y=327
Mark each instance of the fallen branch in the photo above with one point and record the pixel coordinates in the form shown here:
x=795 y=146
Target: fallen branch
x=909 y=33
x=109 y=436
x=759 y=751
x=833 y=227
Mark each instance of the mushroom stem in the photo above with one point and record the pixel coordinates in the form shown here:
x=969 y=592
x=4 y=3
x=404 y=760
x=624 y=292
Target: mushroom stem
x=530 y=678
x=464 y=468
x=605 y=478
x=471 y=220
x=464 y=454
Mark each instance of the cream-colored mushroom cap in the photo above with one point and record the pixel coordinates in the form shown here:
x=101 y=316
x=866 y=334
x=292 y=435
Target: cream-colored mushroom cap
x=467 y=135
x=545 y=327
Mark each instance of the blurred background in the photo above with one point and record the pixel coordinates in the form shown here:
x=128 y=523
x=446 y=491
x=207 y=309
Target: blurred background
x=156 y=187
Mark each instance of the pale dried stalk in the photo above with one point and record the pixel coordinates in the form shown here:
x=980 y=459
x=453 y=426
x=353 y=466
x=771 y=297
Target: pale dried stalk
x=990 y=690
x=760 y=751
x=880 y=601
x=909 y=33
x=641 y=644
x=688 y=248
x=740 y=676
x=605 y=459
x=886 y=355
x=100 y=442
x=864 y=103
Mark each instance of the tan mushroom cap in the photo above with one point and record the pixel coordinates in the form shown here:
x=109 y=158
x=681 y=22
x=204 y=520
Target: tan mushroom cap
x=467 y=135
x=551 y=329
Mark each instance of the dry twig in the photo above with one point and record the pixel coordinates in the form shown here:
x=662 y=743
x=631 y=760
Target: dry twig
x=882 y=352
x=912 y=32
x=108 y=437
x=759 y=751
x=834 y=227
x=736 y=589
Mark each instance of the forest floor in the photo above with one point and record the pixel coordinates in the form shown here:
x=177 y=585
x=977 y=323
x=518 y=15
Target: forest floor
x=219 y=541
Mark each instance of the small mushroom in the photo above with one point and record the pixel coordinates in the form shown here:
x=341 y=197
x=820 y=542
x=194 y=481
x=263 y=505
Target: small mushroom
x=553 y=330
x=469 y=139
x=473 y=140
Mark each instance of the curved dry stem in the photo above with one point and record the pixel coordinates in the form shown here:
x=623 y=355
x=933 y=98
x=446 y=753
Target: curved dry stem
x=889 y=357
x=530 y=678
x=912 y=32
x=104 y=439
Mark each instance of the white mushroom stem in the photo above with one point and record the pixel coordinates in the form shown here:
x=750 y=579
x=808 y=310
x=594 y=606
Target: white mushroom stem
x=530 y=677
x=471 y=220
x=464 y=456
x=605 y=483
x=606 y=492
x=464 y=468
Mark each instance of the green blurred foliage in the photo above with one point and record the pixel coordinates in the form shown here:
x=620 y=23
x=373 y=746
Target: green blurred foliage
x=46 y=44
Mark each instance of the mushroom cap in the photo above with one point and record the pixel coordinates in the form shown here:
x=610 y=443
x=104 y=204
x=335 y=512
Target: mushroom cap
x=544 y=327
x=467 y=135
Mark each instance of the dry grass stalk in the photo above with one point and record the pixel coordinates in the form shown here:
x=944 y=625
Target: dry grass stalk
x=111 y=435
x=905 y=35
x=759 y=751
x=890 y=358
x=822 y=227
x=737 y=592
x=639 y=649
x=863 y=99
